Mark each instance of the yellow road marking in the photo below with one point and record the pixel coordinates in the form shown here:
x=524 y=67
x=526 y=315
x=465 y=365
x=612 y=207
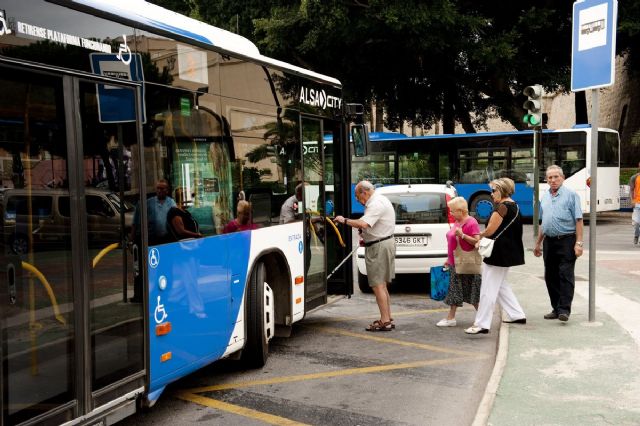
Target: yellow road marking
x=236 y=409
x=191 y=394
x=371 y=336
x=327 y=374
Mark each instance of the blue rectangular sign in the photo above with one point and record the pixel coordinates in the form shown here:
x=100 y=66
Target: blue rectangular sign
x=593 y=46
x=116 y=104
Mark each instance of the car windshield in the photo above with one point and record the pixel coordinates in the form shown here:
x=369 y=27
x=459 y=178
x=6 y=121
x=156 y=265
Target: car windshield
x=413 y=208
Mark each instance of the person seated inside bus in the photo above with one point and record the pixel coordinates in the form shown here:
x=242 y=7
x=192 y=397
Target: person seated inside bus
x=243 y=220
x=289 y=212
x=180 y=224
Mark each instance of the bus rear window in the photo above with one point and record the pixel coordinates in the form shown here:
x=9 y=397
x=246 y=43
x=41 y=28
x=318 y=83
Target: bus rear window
x=608 y=149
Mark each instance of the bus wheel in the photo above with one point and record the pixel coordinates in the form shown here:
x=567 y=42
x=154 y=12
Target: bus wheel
x=481 y=208
x=259 y=319
x=363 y=283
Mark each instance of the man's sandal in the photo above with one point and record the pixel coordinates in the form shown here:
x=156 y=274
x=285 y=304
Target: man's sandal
x=379 y=326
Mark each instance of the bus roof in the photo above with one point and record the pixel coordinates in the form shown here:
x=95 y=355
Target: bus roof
x=385 y=138
x=160 y=20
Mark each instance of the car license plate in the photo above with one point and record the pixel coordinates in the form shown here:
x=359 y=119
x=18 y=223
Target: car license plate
x=412 y=241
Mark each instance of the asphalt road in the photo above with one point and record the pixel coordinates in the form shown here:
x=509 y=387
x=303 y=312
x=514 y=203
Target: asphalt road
x=332 y=372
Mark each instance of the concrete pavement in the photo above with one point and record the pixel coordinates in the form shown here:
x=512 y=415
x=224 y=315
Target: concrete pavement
x=575 y=373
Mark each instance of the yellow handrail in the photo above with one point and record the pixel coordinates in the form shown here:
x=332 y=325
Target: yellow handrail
x=335 y=228
x=103 y=252
x=54 y=303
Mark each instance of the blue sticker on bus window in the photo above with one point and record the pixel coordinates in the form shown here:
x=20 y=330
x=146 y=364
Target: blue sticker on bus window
x=300 y=246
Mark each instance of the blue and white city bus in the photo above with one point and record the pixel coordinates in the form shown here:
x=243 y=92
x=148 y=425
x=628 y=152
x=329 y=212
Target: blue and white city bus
x=102 y=101
x=471 y=160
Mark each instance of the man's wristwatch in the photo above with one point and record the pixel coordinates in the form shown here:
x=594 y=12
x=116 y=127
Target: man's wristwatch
x=579 y=243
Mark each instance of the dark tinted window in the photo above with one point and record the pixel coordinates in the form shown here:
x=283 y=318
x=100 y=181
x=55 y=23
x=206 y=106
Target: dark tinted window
x=608 y=149
x=567 y=150
x=426 y=207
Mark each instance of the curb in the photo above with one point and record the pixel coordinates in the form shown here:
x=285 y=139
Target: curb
x=486 y=404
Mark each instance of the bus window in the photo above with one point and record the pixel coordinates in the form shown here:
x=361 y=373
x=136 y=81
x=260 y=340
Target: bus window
x=567 y=150
x=608 y=150
x=416 y=167
x=378 y=168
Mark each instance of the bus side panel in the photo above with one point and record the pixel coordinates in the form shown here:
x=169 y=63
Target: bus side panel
x=523 y=195
x=289 y=239
x=608 y=189
x=190 y=288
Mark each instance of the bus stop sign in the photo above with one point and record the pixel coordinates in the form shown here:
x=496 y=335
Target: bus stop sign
x=593 y=46
x=116 y=104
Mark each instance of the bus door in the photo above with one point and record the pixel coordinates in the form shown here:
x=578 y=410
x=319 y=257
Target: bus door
x=314 y=207
x=326 y=245
x=70 y=341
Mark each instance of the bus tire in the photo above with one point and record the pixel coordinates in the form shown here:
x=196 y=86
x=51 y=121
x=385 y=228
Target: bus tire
x=256 y=349
x=481 y=207
x=363 y=283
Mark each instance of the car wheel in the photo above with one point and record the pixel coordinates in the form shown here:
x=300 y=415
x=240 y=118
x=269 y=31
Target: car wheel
x=481 y=208
x=363 y=283
x=19 y=244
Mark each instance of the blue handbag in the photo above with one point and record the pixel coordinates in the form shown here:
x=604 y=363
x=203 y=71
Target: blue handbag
x=439 y=282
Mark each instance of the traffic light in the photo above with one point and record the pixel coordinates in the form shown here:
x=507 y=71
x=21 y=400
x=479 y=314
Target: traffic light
x=533 y=105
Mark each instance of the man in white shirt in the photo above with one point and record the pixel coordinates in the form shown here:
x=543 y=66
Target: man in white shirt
x=377 y=226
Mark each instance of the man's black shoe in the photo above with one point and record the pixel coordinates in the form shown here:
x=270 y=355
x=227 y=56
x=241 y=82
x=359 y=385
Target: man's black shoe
x=518 y=321
x=563 y=317
x=551 y=315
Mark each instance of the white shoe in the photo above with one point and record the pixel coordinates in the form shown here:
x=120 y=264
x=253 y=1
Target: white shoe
x=474 y=329
x=444 y=322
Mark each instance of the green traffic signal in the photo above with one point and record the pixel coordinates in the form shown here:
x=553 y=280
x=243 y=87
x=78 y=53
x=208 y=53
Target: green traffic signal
x=533 y=105
x=531 y=119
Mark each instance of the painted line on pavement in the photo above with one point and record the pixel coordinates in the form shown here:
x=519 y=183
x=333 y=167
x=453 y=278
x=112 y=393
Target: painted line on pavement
x=236 y=409
x=328 y=374
x=624 y=311
x=371 y=336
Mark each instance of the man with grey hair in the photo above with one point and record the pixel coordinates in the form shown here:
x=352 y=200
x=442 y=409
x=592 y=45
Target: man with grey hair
x=377 y=226
x=561 y=232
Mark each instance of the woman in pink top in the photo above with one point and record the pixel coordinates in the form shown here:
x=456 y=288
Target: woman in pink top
x=465 y=287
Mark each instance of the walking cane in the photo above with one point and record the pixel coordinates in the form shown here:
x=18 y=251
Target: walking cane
x=341 y=263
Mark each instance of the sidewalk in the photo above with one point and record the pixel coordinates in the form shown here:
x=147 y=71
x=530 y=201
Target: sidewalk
x=574 y=373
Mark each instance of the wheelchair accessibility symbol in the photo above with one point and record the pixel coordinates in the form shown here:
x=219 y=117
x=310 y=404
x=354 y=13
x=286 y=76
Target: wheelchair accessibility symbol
x=160 y=314
x=154 y=258
x=124 y=53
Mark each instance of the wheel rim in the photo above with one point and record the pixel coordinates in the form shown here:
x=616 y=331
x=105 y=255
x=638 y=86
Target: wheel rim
x=19 y=245
x=484 y=209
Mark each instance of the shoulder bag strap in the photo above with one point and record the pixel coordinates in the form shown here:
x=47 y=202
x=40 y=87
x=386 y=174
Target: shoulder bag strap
x=512 y=220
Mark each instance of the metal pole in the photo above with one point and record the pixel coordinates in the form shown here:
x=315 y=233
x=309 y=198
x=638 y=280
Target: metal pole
x=537 y=133
x=593 y=202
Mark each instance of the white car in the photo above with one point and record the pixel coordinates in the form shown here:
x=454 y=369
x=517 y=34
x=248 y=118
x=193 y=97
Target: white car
x=422 y=222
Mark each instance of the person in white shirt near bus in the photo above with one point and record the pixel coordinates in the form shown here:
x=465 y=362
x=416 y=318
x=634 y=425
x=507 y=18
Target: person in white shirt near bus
x=377 y=226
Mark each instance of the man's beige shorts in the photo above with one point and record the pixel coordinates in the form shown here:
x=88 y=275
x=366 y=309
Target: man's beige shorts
x=380 y=260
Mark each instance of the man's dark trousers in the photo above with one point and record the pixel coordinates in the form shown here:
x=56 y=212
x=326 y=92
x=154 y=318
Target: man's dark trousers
x=559 y=265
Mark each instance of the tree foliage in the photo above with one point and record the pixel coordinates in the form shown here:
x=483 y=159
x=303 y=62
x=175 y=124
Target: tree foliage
x=424 y=60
